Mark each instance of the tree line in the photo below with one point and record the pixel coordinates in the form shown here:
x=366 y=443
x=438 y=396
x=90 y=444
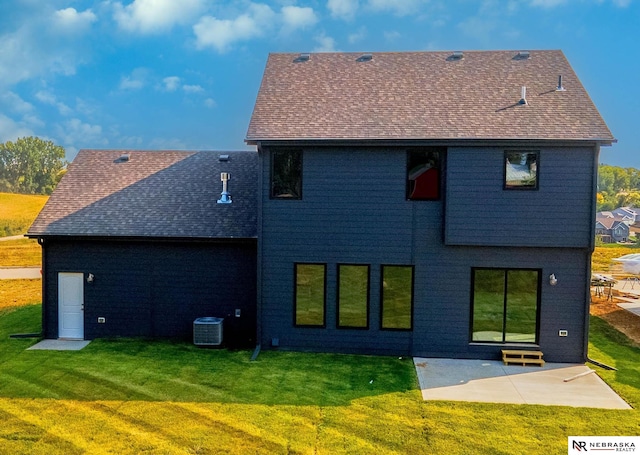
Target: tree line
x=617 y=187
x=31 y=165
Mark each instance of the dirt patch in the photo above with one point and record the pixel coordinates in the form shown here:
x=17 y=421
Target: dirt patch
x=623 y=320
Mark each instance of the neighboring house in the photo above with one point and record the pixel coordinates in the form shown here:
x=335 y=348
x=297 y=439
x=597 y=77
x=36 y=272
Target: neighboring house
x=349 y=260
x=136 y=244
x=630 y=215
x=612 y=228
x=367 y=168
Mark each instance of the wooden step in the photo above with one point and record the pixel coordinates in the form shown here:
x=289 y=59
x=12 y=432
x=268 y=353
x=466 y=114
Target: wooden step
x=522 y=357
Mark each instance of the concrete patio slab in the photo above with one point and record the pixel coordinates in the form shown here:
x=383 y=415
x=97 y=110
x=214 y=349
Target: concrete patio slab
x=491 y=381
x=634 y=307
x=60 y=345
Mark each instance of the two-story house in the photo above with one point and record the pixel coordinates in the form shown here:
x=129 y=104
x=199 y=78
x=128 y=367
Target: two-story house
x=367 y=168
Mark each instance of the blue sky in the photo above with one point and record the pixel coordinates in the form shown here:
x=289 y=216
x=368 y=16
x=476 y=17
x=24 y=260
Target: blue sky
x=183 y=74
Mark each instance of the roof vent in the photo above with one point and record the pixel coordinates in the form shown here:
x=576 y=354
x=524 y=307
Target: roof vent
x=302 y=58
x=522 y=55
x=523 y=95
x=225 y=197
x=365 y=58
x=457 y=55
x=122 y=158
x=223 y=158
x=560 y=88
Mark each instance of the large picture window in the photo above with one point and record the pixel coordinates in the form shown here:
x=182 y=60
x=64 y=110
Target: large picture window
x=397 y=297
x=521 y=170
x=309 y=297
x=505 y=305
x=353 y=296
x=286 y=174
x=423 y=174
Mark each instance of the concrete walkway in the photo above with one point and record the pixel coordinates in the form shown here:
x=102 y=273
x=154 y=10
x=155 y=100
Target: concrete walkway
x=17 y=273
x=491 y=381
x=12 y=237
x=59 y=345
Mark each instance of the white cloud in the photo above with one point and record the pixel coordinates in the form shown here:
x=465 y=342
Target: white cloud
x=10 y=130
x=358 y=36
x=344 y=9
x=547 y=3
x=171 y=83
x=28 y=53
x=295 y=17
x=392 y=35
x=155 y=16
x=399 y=8
x=192 y=88
x=13 y=102
x=220 y=34
x=210 y=103
x=325 y=43
x=50 y=99
x=135 y=81
x=69 y=20
x=76 y=133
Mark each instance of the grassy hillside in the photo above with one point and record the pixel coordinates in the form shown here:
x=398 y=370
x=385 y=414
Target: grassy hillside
x=17 y=212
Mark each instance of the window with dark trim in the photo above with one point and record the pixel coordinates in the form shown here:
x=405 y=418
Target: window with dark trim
x=396 y=297
x=309 y=298
x=424 y=174
x=286 y=174
x=521 y=170
x=505 y=305
x=353 y=296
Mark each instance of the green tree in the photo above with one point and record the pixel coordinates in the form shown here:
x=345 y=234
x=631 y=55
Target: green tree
x=30 y=165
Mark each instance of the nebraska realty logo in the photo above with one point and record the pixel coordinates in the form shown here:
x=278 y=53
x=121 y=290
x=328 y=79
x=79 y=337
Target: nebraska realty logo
x=606 y=444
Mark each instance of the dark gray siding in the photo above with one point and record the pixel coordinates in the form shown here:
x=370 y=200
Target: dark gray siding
x=354 y=211
x=156 y=289
x=558 y=214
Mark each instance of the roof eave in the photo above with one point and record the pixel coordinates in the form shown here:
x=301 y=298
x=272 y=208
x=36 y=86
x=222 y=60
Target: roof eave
x=435 y=141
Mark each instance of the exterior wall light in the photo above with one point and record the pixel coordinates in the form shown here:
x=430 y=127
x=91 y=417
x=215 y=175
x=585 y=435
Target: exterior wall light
x=90 y=278
x=552 y=279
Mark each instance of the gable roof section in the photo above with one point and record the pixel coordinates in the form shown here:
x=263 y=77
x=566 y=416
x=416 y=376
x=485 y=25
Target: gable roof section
x=163 y=194
x=423 y=96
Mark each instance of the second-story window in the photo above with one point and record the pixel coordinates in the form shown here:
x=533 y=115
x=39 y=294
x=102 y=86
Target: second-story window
x=286 y=174
x=423 y=174
x=521 y=170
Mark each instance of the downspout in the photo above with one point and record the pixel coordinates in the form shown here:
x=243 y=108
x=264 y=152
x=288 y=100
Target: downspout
x=261 y=159
x=592 y=244
x=43 y=275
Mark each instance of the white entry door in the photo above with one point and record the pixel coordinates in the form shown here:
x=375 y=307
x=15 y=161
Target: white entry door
x=71 y=305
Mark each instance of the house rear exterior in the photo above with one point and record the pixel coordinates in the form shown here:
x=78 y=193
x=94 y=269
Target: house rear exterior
x=358 y=254
x=398 y=203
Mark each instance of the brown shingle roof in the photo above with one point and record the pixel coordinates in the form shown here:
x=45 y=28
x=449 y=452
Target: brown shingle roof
x=154 y=194
x=423 y=95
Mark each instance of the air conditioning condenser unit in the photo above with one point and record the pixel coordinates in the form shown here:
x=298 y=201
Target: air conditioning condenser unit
x=207 y=331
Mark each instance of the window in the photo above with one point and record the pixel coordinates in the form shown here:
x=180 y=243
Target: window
x=505 y=305
x=423 y=174
x=397 y=297
x=521 y=170
x=286 y=174
x=310 y=294
x=353 y=296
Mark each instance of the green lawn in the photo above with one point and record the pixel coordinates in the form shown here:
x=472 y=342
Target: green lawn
x=137 y=396
x=17 y=212
x=601 y=259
